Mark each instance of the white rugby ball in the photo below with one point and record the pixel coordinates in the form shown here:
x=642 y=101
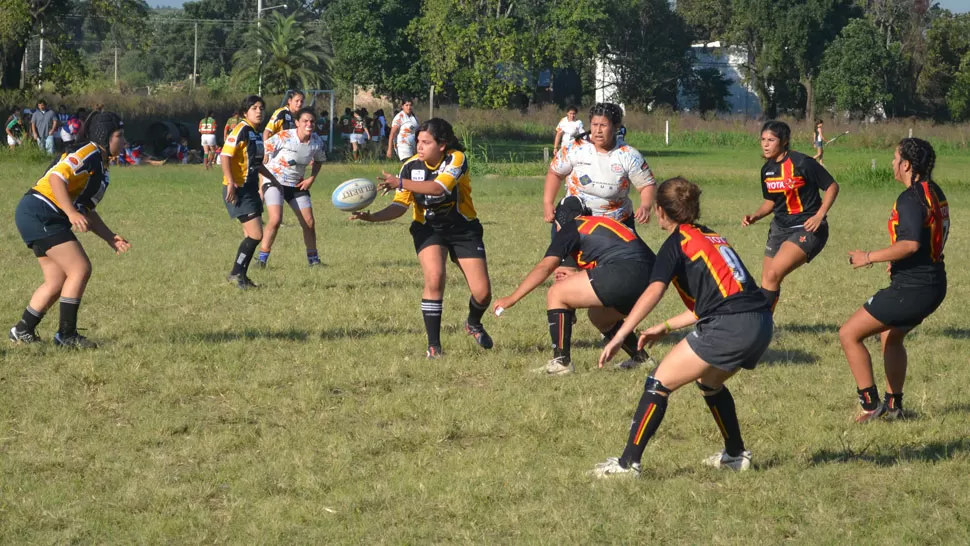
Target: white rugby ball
x=354 y=194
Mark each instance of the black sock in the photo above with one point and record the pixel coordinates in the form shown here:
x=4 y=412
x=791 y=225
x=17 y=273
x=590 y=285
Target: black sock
x=245 y=255
x=68 y=318
x=561 y=331
x=476 y=310
x=772 y=297
x=893 y=400
x=722 y=408
x=30 y=320
x=646 y=421
x=869 y=398
x=629 y=343
x=431 y=309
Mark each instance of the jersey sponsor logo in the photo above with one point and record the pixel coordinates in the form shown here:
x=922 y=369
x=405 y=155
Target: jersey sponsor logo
x=722 y=262
x=253 y=136
x=787 y=184
x=454 y=171
x=418 y=175
x=73 y=160
x=617 y=168
x=585 y=180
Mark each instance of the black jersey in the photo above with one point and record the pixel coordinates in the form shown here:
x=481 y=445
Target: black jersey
x=597 y=240
x=921 y=214
x=794 y=185
x=707 y=272
x=281 y=120
x=453 y=207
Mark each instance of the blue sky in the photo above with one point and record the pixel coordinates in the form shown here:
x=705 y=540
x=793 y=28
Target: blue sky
x=957 y=6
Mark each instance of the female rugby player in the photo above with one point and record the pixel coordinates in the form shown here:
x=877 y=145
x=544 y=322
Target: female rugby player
x=284 y=118
x=437 y=182
x=67 y=197
x=288 y=153
x=617 y=267
x=732 y=328
x=918 y=229
x=790 y=184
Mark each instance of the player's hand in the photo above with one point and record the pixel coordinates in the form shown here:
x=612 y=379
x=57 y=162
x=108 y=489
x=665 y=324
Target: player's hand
x=609 y=351
x=812 y=224
x=305 y=183
x=858 y=258
x=361 y=215
x=748 y=220
x=549 y=213
x=79 y=221
x=388 y=182
x=119 y=244
x=889 y=268
x=389 y=156
x=651 y=335
x=642 y=215
x=503 y=304
x=231 y=193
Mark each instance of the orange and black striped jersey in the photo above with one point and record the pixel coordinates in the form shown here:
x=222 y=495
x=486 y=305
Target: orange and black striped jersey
x=597 y=240
x=86 y=173
x=708 y=274
x=244 y=151
x=921 y=213
x=793 y=185
x=281 y=120
x=454 y=206
x=207 y=126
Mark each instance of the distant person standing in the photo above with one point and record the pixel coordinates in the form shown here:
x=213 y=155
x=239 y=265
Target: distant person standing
x=819 y=142
x=404 y=133
x=207 y=128
x=359 y=134
x=323 y=127
x=14 y=129
x=569 y=128
x=231 y=124
x=376 y=128
x=346 y=126
x=284 y=119
x=44 y=124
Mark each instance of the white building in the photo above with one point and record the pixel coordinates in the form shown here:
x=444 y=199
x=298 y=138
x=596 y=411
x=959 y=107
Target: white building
x=729 y=61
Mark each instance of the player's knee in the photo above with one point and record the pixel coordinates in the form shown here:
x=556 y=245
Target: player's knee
x=653 y=386
x=847 y=335
x=771 y=277
x=708 y=391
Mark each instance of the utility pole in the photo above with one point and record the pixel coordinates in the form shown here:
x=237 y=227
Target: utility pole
x=259 y=50
x=40 y=64
x=116 y=66
x=195 y=56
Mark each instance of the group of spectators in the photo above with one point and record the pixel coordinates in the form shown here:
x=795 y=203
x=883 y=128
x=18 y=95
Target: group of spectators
x=363 y=133
x=53 y=131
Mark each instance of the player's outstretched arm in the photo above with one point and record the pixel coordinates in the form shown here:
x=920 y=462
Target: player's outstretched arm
x=762 y=211
x=645 y=304
x=390 y=212
x=536 y=277
x=117 y=243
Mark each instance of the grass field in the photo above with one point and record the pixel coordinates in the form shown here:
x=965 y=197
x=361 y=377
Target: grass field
x=305 y=412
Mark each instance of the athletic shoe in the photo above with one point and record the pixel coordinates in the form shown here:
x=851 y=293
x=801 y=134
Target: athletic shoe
x=314 y=262
x=722 y=460
x=481 y=336
x=242 y=282
x=612 y=468
x=74 y=341
x=559 y=366
x=870 y=415
x=433 y=352
x=260 y=264
x=26 y=338
x=635 y=361
x=893 y=414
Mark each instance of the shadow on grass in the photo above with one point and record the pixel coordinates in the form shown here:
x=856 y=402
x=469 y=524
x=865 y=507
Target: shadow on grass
x=669 y=153
x=886 y=456
x=957 y=333
x=958 y=407
x=779 y=357
x=807 y=328
x=291 y=334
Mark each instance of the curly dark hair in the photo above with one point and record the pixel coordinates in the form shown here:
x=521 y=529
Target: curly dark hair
x=920 y=155
x=610 y=111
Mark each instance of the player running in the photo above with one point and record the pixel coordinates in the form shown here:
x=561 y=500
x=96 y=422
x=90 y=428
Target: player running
x=569 y=128
x=617 y=267
x=790 y=184
x=732 y=328
x=918 y=229
x=67 y=197
x=404 y=129
x=600 y=172
x=242 y=163
x=437 y=182
x=284 y=118
x=288 y=153
x=207 y=128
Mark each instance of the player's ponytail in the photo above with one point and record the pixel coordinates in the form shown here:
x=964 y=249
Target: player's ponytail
x=680 y=200
x=442 y=132
x=781 y=130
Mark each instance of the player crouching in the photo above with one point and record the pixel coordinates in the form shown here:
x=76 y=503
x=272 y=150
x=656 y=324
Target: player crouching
x=617 y=266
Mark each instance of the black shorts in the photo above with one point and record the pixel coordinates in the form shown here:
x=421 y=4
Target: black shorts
x=462 y=240
x=247 y=205
x=569 y=261
x=729 y=342
x=619 y=285
x=905 y=306
x=810 y=243
x=40 y=226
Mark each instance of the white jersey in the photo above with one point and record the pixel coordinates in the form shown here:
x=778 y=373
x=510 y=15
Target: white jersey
x=287 y=158
x=570 y=130
x=407 y=130
x=602 y=180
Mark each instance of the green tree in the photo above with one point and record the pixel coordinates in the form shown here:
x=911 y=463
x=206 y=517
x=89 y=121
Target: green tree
x=857 y=70
x=948 y=42
x=708 y=20
x=290 y=58
x=710 y=90
x=958 y=98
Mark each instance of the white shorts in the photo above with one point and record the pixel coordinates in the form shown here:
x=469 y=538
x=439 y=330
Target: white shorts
x=405 y=152
x=298 y=199
x=358 y=138
x=11 y=141
x=208 y=140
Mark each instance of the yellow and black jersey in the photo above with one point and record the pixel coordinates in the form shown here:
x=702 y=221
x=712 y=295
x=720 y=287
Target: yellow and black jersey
x=452 y=207
x=281 y=120
x=921 y=213
x=707 y=273
x=244 y=151
x=793 y=185
x=86 y=173
x=597 y=240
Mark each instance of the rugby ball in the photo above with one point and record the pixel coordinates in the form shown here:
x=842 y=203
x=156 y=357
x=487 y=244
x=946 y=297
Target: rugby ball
x=354 y=194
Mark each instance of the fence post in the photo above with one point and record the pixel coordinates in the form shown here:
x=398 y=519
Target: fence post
x=910 y=132
x=667 y=132
x=545 y=154
x=431 y=103
x=873 y=164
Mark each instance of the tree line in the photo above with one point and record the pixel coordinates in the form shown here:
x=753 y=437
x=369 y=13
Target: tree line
x=802 y=57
